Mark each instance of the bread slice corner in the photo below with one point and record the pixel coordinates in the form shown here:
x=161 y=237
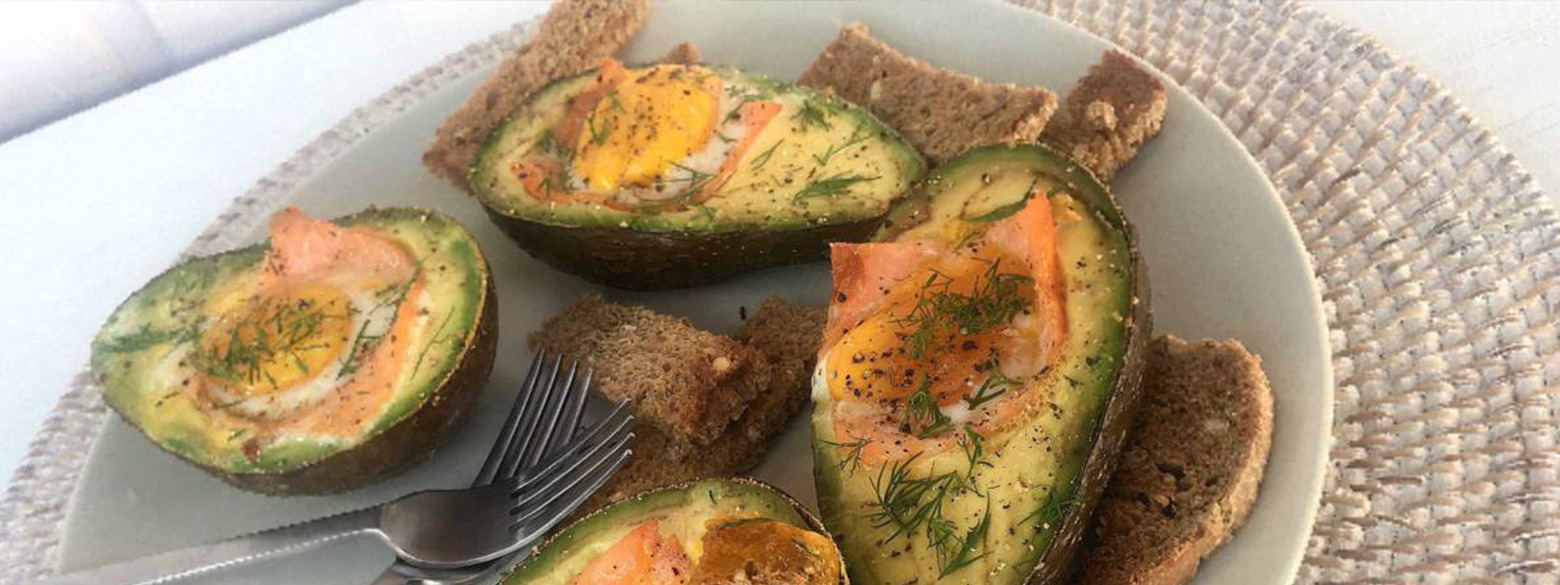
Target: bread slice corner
x=1108 y=115
x=940 y=112
x=1191 y=466
x=687 y=383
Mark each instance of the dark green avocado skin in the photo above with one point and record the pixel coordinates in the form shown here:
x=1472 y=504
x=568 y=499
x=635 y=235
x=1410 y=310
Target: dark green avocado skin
x=402 y=446
x=643 y=260
x=1060 y=562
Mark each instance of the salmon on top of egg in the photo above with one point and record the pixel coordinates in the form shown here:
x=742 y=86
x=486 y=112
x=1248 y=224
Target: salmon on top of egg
x=327 y=358
x=723 y=146
x=315 y=343
x=928 y=342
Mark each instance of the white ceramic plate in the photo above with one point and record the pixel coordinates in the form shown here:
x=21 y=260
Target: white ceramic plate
x=1223 y=257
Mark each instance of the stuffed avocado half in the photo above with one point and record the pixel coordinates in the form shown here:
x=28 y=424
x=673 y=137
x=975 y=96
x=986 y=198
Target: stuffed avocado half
x=978 y=373
x=667 y=176
x=328 y=357
x=699 y=533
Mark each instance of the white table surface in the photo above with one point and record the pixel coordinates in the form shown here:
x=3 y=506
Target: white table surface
x=93 y=206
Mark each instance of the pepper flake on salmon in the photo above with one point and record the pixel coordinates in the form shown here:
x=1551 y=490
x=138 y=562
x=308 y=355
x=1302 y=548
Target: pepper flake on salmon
x=928 y=341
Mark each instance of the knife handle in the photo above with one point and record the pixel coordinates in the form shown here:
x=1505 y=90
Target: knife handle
x=196 y=560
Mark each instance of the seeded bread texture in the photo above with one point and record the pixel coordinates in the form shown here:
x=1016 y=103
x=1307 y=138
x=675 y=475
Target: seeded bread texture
x=1190 y=470
x=573 y=37
x=1110 y=114
x=942 y=113
x=687 y=383
x=787 y=338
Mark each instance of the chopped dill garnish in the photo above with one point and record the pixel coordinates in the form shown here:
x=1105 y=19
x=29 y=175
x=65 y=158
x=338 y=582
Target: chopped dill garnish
x=995 y=385
x=910 y=504
x=389 y=297
x=276 y=329
x=724 y=139
x=811 y=116
x=143 y=338
x=995 y=299
x=856 y=137
x=598 y=136
x=696 y=179
x=763 y=157
x=851 y=460
x=924 y=413
x=955 y=556
x=830 y=186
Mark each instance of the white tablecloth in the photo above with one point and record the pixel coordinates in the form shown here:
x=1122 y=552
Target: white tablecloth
x=94 y=205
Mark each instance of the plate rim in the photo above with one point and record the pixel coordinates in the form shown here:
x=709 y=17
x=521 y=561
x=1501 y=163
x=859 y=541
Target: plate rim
x=524 y=30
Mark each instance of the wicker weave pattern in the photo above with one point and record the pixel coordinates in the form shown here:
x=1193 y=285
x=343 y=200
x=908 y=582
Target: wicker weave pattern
x=1437 y=258
x=1436 y=253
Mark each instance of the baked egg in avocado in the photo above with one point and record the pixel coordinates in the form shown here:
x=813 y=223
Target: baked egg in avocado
x=978 y=371
x=711 y=532
x=675 y=175
x=327 y=358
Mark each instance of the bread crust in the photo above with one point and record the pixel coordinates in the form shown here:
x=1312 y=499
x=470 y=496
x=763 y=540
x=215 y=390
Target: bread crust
x=940 y=112
x=1108 y=115
x=1192 y=466
x=782 y=339
x=573 y=37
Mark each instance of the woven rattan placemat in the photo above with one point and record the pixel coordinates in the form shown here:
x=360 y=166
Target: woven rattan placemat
x=1436 y=253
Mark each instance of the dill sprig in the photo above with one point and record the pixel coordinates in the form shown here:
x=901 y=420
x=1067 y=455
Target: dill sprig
x=910 y=504
x=695 y=179
x=924 y=413
x=832 y=185
x=598 y=136
x=140 y=339
x=763 y=157
x=276 y=329
x=995 y=299
x=955 y=556
x=363 y=342
x=996 y=384
x=851 y=460
x=856 y=137
x=811 y=116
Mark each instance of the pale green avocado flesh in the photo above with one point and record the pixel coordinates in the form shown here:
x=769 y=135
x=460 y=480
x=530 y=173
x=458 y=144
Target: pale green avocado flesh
x=1033 y=483
x=139 y=357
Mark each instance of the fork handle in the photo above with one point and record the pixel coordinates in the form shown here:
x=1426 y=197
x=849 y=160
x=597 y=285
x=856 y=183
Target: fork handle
x=196 y=560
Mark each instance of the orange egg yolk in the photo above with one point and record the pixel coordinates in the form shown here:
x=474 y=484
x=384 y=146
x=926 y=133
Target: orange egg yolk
x=275 y=342
x=652 y=120
x=922 y=335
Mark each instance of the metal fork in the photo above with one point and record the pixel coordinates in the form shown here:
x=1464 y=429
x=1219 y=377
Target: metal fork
x=529 y=438
x=434 y=529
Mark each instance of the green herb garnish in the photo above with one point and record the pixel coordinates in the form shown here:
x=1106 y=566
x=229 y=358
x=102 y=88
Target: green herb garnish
x=811 y=116
x=763 y=157
x=856 y=137
x=995 y=299
x=924 y=413
x=831 y=186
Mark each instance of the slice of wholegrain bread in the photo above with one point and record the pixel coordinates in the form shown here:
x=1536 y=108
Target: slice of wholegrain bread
x=687 y=383
x=787 y=337
x=573 y=37
x=1189 y=472
x=1110 y=113
x=940 y=112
